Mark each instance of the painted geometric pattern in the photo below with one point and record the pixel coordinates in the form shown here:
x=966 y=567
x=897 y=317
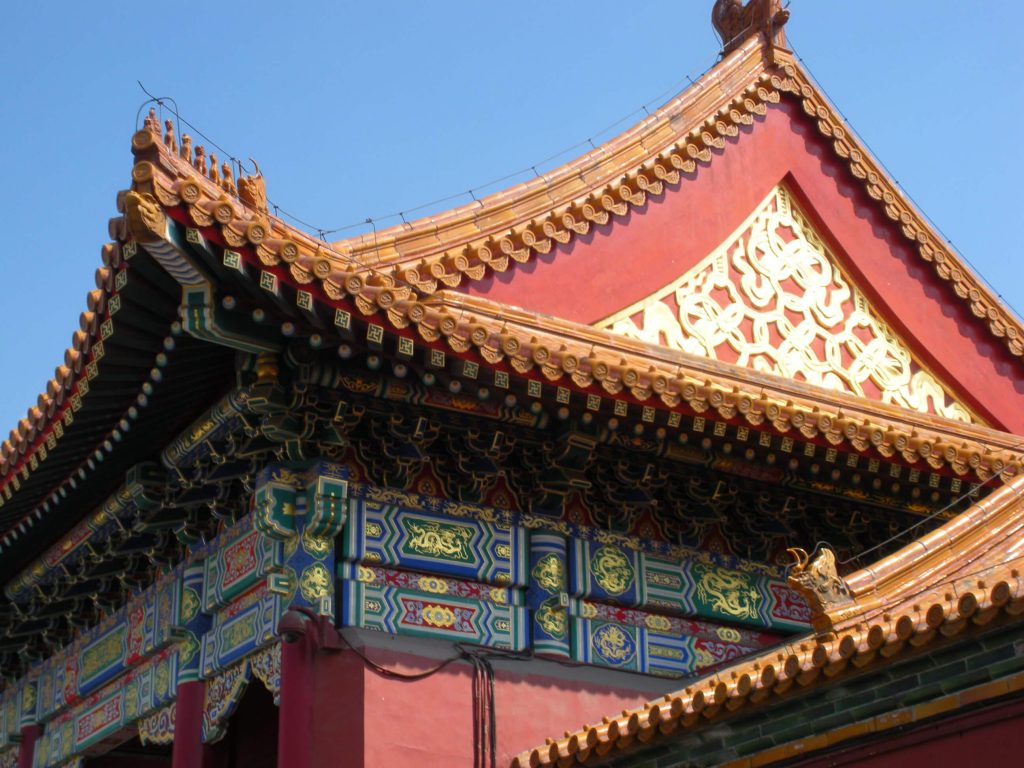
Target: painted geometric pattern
x=399 y=610
x=503 y=519
x=244 y=626
x=547 y=594
x=242 y=557
x=436 y=585
x=466 y=548
x=17 y=709
x=609 y=573
x=101 y=719
x=101 y=654
x=774 y=298
x=636 y=649
x=710 y=643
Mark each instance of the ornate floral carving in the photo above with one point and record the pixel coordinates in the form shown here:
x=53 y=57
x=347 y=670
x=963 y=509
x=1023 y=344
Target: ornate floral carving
x=774 y=299
x=158 y=728
x=266 y=666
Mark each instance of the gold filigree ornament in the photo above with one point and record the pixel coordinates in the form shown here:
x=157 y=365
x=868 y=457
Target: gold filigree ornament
x=438 y=616
x=551 y=618
x=315 y=582
x=189 y=604
x=727 y=592
x=433 y=585
x=158 y=728
x=316 y=546
x=612 y=570
x=549 y=572
x=774 y=298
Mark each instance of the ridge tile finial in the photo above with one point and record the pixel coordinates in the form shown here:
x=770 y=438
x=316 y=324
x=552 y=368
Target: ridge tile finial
x=735 y=21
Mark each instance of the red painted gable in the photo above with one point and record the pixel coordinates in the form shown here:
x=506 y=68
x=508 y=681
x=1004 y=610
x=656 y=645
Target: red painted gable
x=622 y=262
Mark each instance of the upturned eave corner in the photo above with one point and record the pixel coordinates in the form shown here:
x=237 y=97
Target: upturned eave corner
x=960 y=577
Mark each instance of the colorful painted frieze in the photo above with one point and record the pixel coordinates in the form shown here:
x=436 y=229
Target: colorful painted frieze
x=301 y=509
x=635 y=649
x=425 y=606
x=747 y=598
x=241 y=628
x=241 y=558
x=107 y=716
x=547 y=594
x=709 y=643
x=399 y=537
x=606 y=572
x=18 y=708
x=224 y=692
x=536 y=522
x=99 y=655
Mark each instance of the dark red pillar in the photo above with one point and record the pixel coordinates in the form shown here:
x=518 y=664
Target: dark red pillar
x=29 y=736
x=188 y=726
x=295 y=716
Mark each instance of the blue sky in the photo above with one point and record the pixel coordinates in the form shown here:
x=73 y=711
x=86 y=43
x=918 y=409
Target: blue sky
x=363 y=109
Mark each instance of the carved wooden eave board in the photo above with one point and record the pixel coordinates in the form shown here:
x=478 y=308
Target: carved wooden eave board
x=956 y=579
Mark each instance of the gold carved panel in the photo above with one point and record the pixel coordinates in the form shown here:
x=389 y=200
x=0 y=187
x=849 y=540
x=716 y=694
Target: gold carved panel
x=773 y=298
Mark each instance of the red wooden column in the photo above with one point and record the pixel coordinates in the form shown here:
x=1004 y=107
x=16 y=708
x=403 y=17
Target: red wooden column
x=29 y=736
x=295 y=712
x=187 y=751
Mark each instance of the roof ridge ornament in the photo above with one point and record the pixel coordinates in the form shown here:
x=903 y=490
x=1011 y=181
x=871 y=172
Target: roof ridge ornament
x=735 y=22
x=819 y=582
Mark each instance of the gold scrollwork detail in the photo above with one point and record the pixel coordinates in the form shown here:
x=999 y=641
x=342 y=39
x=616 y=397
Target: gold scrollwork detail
x=613 y=644
x=551 y=618
x=549 y=573
x=436 y=539
x=158 y=728
x=315 y=582
x=316 y=546
x=433 y=585
x=189 y=604
x=774 y=298
x=728 y=592
x=728 y=634
x=657 y=623
x=438 y=616
x=612 y=570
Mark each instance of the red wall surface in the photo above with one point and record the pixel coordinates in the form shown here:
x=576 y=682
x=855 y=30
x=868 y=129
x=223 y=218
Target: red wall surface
x=622 y=262
x=365 y=719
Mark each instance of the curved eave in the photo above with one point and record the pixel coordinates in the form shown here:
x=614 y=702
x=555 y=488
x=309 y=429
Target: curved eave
x=498 y=232
x=963 y=574
x=105 y=406
x=604 y=365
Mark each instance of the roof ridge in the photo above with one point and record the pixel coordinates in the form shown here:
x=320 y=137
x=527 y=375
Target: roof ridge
x=492 y=235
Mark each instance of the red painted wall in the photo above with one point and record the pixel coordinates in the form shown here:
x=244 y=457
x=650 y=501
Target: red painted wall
x=364 y=719
x=624 y=261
